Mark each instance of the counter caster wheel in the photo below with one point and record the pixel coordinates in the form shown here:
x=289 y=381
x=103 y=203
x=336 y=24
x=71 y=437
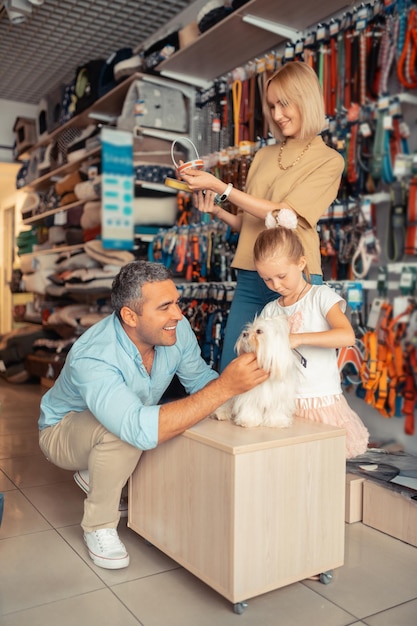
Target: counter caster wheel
x=326 y=577
x=239 y=607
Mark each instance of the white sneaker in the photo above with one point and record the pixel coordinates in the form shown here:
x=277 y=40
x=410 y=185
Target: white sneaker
x=106 y=549
x=82 y=479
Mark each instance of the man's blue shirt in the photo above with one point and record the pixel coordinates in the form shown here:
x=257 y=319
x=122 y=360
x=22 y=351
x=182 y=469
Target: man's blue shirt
x=104 y=373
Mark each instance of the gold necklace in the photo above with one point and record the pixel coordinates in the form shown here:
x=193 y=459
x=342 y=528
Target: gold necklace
x=281 y=148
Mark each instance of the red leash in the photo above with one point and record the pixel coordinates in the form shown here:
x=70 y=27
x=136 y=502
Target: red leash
x=407 y=61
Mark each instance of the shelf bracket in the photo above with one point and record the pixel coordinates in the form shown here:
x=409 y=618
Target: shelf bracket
x=184 y=78
x=273 y=27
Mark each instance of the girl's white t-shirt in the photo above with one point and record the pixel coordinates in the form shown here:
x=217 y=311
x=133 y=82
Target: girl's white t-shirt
x=321 y=375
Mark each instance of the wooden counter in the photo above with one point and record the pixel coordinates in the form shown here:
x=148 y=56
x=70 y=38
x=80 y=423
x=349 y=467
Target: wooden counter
x=245 y=510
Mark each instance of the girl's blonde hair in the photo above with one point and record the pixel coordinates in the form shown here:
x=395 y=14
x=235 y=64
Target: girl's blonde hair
x=298 y=84
x=279 y=242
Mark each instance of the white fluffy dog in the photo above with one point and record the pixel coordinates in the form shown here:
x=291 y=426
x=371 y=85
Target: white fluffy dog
x=271 y=403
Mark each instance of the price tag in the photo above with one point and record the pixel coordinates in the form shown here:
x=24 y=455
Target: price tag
x=375 y=313
x=322 y=32
x=395 y=107
x=216 y=125
x=299 y=47
x=260 y=65
x=383 y=103
x=355 y=296
x=403 y=165
x=334 y=27
x=60 y=219
x=289 y=52
x=407 y=281
x=365 y=129
x=400 y=305
x=387 y=122
x=310 y=40
x=223 y=157
x=404 y=130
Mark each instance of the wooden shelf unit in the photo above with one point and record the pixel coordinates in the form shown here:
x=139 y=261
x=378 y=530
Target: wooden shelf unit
x=59 y=172
x=35 y=219
x=108 y=105
x=55 y=250
x=233 y=41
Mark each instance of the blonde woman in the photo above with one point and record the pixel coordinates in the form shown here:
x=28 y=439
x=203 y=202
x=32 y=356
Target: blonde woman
x=299 y=172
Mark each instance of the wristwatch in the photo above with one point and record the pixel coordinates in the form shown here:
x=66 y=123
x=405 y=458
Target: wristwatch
x=223 y=197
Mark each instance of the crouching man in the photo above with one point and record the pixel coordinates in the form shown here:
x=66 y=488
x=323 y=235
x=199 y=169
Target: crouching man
x=103 y=410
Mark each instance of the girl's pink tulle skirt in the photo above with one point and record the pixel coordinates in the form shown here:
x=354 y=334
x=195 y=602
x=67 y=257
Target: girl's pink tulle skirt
x=335 y=411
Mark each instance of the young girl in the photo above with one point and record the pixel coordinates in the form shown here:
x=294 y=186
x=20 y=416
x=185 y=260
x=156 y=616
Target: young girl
x=318 y=325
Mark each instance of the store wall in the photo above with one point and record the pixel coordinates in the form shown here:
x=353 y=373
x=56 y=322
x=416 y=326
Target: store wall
x=9 y=197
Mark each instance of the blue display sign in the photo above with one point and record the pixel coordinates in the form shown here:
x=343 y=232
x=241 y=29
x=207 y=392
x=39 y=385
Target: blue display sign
x=117 y=192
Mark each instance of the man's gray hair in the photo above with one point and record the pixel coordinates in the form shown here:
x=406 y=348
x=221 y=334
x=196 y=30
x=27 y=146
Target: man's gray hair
x=127 y=286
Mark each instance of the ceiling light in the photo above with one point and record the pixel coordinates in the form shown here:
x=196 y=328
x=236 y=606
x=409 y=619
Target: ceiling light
x=18 y=10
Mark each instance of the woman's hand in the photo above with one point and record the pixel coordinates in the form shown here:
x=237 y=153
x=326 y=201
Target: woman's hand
x=204 y=201
x=197 y=180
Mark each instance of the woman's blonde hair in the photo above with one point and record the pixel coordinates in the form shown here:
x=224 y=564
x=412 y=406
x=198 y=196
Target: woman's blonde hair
x=298 y=84
x=279 y=242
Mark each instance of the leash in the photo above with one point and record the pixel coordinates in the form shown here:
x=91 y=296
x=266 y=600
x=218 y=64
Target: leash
x=237 y=99
x=396 y=230
x=378 y=149
x=411 y=237
x=388 y=48
x=377 y=361
x=362 y=67
x=367 y=252
x=353 y=119
x=410 y=390
x=341 y=68
x=407 y=61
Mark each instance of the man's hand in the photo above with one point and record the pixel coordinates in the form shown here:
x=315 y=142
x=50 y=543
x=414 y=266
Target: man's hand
x=242 y=374
x=239 y=376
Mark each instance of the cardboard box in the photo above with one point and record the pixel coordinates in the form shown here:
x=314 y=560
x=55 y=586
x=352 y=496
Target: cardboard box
x=353 y=498
x=188 y=34
x=390 y=512
x=25 y=134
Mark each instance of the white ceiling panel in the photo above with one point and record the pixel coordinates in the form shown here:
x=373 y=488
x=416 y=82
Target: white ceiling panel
x=44 y=52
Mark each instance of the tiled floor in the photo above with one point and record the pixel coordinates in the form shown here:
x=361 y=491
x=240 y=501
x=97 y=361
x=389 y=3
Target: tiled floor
x=47 y=578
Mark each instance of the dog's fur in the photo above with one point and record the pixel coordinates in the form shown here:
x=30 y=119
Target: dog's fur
x=271 y=403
